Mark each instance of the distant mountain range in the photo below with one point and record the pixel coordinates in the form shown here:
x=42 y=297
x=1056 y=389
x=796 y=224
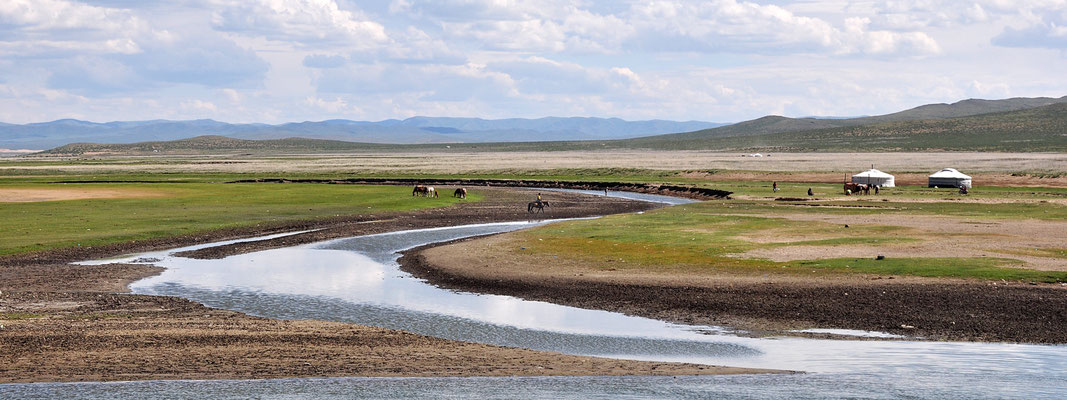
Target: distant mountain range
x=412 y=130
x=1020 y=124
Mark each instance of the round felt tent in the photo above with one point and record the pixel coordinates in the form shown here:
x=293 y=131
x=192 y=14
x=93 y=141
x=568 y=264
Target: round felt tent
x=874 y=177
x=949 y=178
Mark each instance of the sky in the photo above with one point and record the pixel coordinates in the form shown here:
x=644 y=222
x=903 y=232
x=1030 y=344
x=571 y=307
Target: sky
x=275 y=61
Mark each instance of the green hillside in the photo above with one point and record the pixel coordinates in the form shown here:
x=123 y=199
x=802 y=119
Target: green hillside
x=1031 y=130
x=778 y=124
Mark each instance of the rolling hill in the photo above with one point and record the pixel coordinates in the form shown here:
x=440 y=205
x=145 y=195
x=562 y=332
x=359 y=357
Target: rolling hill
x=412 y=130
x=779 y=124
x=1041 y=129
x=1024 y=125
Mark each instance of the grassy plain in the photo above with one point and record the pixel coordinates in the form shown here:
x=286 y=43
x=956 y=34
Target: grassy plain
x=736 y=237
x=748 y=234
x=182 y=208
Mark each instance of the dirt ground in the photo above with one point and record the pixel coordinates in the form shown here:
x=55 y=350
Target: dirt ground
x=93 y=336
x=13 y=195
x=63 y=322
x=937 y=309
x=910 y=168
x=939 y=237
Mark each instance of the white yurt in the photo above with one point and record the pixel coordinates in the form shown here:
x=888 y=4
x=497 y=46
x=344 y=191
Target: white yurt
x=874 y=177
x=949 y=178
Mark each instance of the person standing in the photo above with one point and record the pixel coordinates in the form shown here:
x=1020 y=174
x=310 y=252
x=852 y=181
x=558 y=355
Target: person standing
x=775 y=186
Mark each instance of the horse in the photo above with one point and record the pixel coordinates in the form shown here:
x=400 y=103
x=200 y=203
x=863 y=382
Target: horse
x=460 y=193
x=539 y=206
x=856 y=188
x=424 y=191
x=419 y=190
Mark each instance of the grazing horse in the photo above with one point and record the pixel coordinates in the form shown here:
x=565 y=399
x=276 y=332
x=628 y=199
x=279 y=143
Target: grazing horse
x=419 y=190
x=539 y=206
x=460 y=193
x=424 y=191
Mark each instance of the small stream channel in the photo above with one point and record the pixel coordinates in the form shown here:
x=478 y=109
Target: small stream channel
x=358 y=280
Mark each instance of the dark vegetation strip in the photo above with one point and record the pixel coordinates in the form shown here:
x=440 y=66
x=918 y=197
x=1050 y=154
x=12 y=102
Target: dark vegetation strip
x=672 y=190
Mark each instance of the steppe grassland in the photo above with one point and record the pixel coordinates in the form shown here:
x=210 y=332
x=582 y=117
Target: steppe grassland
x=751 y=234
x=1010 y=241
x=171 y=209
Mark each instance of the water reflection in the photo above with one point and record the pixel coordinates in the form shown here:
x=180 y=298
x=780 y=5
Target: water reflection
x=357 y=280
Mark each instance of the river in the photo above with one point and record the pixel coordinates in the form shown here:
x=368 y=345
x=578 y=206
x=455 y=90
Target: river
x=357 y=280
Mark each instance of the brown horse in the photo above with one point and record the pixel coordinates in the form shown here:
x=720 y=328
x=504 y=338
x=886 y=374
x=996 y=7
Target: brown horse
x=460 y=193
x=539 y=206
x=424 y=191
x=856 y=188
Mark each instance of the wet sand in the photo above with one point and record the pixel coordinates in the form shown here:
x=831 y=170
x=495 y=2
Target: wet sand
x=64 y=322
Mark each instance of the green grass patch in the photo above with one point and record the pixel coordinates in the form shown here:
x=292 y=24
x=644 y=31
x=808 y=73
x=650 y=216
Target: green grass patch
x=697 y=238
x=185 y=208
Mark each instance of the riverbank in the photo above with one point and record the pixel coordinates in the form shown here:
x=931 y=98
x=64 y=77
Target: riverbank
x=64 y=322
x=927 y=308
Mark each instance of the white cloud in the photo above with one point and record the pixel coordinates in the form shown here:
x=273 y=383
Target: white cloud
x=44 y=27
x=308 y=22
x=723 y=60
x=199 y=106
x=730 y=26
x=336 y=105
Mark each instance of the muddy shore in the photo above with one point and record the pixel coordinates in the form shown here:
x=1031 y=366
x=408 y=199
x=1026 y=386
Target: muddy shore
x=63 y=322
x=933 y=309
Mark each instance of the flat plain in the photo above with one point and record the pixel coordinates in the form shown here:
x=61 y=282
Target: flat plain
x=763 y=261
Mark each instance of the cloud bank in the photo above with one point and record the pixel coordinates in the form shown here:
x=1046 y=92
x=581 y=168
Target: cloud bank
x=721 y=60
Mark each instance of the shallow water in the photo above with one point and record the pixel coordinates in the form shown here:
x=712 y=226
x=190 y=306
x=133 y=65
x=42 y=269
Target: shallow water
x=654 y=198
x=357 y=280
x=806 y=386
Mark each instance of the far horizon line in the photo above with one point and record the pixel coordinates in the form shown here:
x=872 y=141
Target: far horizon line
x=377 y=121
x=536 y=118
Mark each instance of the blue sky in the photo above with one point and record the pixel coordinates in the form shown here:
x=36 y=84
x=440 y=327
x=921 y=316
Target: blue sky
x=294 y=60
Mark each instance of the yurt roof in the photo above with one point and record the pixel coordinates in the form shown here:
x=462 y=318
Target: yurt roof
x=873 y=173
x=949 y=173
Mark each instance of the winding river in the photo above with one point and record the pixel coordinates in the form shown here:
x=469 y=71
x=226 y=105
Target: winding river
x=358 y=280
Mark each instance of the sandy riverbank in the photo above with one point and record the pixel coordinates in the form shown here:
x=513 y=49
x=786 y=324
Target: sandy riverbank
x=65 y=323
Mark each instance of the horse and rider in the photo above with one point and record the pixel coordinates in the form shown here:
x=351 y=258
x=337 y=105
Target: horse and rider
x=537 y=206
